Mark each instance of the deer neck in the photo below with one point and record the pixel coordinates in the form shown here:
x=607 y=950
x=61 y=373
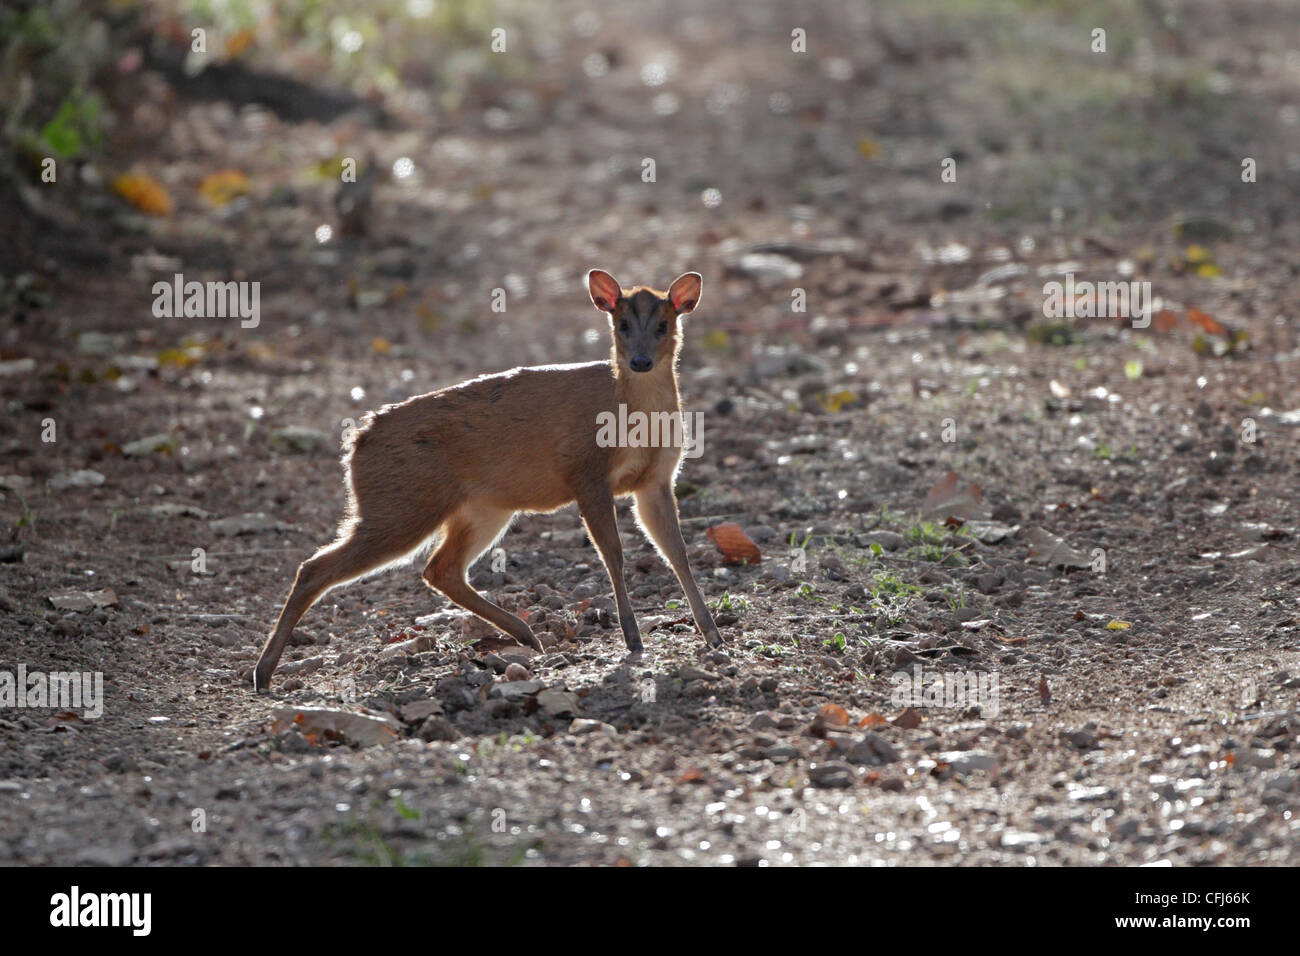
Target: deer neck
x=652 y=391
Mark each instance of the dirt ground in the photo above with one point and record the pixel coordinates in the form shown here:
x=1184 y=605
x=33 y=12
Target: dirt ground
x=1119 y=597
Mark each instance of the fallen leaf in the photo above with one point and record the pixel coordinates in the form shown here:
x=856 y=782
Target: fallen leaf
x=223 y=186
x=909 y=719
x=1164 y=320
x=1119 y=625
x=950 y=498
x=833 y=715
x=362 y=729
x=144 y=193
x=1047 y=548
x=239 y=42
x=735 y=545
x=1197 y=317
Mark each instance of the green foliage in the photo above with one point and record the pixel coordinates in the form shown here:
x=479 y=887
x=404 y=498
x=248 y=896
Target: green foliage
x=76 y=126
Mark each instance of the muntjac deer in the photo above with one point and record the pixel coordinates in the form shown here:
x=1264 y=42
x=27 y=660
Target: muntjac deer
x=460 y=462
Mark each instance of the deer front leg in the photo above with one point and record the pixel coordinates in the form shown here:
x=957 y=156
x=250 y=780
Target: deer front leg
x=656 y=507
x=597 y=507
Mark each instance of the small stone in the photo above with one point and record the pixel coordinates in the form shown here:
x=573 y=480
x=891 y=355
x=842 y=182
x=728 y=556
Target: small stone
x=415 y=645
x=872 y=750
x=689 y=673
x=769 y=719
x=418 y=711
x=1286 y=782
x=781 y=753
x=1084 y=738
x=1254 y=758
x=114 y=854
x=585 y=725
x=295 y=439
x=438 y=728
x=516 y=690
x=968 y=761
x=888 y=540
x=517 y=672
x=831 y=774
x=558 y=702
x=76 y=479
x=148 y=445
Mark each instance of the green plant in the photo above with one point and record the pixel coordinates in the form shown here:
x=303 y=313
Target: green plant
x=728 y=603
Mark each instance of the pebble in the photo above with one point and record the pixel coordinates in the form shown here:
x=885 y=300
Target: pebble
x=968 y=761
x=872 y=750
x=831 y=774
x=888 y=540
x=585 y=725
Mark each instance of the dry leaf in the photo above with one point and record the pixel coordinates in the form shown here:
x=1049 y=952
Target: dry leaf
x=833 y=715
x=735 y=545
x=1164 y=320
x=144 y=193
x=239 y=42
x=909 y=719
x=1197 y=317
x=223 y=186
x=1047 y=548
x=949 y=498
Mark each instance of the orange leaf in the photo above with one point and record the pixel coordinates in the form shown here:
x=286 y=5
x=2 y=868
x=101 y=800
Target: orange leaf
x=735 y=545
x=1164 y=320
x=144 y=193
x=872 y=720
x=223 y=186
x=833 y=715
x=238 y=43
x=1198 y=317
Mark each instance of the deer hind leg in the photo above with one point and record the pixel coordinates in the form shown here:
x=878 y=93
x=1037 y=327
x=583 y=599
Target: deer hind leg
x=465 y=536
x=362 y=549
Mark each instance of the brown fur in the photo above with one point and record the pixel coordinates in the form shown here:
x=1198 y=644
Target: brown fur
x=458 y=463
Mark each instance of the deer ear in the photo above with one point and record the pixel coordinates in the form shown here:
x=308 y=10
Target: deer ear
x=604 y=289
x=684 y=293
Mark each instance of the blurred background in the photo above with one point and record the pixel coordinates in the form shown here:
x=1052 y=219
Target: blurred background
x=515 y=159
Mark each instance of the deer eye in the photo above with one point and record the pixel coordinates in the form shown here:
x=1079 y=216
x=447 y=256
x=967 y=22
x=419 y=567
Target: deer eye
x=663 y=328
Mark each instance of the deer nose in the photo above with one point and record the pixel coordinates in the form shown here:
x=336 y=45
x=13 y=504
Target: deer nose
x=641 y=363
